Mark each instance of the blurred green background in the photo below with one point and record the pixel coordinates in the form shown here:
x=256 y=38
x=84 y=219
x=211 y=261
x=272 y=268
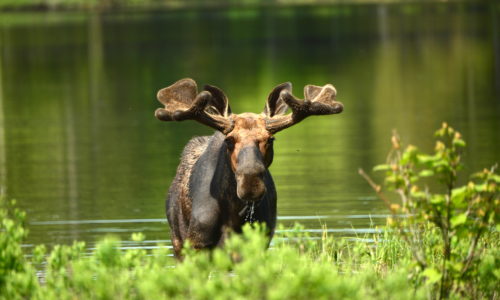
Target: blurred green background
x=83 y=154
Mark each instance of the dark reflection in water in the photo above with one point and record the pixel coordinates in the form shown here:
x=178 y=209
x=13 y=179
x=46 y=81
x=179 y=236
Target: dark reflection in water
x=83 y=154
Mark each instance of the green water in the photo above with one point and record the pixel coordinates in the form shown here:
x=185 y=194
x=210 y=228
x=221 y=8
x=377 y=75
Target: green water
x=81 y=151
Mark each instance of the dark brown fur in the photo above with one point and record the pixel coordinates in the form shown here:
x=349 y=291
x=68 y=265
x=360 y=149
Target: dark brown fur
x=179 y=189
x=220 y=206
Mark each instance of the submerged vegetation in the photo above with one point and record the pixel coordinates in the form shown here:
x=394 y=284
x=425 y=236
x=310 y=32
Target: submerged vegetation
x=442 y=244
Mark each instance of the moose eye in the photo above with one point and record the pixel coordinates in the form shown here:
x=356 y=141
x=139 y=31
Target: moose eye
x=271 y=140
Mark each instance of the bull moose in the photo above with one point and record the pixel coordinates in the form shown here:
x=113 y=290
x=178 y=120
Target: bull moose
x=223 y=180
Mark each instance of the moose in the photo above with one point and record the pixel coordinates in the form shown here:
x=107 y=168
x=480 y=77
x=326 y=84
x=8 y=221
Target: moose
x=223 y=181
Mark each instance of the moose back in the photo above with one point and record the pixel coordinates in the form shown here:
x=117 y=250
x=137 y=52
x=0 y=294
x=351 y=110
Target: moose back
x=223 y=180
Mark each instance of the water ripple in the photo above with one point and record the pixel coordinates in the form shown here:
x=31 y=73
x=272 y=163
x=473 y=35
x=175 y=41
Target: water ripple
x=281 y=218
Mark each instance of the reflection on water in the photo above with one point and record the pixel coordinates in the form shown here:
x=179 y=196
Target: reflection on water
x=83 y=154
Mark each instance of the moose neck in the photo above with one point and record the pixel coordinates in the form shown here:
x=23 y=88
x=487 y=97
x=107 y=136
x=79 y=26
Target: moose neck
x=223 y=185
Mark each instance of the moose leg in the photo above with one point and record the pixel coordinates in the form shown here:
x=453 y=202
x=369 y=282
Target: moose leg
x=177 y=245
x=205 y=227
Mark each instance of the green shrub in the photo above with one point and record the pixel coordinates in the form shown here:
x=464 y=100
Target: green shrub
x=17 y=278
x=448 y=228
x=296 y=266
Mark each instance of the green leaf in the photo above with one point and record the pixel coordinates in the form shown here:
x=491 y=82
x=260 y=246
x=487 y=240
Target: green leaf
x=456 y=266
x=424 y=158
x=496 y=273
x=480 y=187
x=409 y=155
x=459 y=143
x=383 y=167
x=426 y=173
x=441 y=164
x=437 y=199
x=138 y=237
x=394 y=181
x=432 y=275
x=419 y=195
x=440 y=132
x=458 y=220
x=458 y=195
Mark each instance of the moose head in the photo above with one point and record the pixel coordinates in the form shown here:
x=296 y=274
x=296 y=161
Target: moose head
x=248 y=136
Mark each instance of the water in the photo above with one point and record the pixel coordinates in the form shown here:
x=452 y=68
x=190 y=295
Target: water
x=82 y=153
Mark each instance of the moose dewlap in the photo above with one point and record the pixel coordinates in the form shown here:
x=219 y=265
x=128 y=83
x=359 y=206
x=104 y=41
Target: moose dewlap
x=223 y=180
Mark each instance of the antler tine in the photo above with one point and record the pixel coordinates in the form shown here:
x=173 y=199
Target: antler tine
x=318 y=101
x=180 y=106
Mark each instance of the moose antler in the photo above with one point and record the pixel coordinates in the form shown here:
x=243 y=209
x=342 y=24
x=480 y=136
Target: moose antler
x=318 y=101
x=183 y=102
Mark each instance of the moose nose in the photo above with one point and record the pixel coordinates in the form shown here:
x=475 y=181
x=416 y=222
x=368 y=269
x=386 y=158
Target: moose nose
x=250 y=175
x=250 y=187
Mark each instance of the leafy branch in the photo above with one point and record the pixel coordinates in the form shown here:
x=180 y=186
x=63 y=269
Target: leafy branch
x=462 y=215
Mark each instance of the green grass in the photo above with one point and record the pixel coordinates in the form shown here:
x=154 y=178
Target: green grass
x=297 y=266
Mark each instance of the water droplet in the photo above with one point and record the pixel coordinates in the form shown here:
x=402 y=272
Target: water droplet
x=250 y=212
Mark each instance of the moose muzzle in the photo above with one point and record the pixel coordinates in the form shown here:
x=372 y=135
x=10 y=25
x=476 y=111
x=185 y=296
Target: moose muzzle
x=250 y=174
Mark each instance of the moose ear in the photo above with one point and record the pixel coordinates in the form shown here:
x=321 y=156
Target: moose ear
x=219 y=100
x=275 y=104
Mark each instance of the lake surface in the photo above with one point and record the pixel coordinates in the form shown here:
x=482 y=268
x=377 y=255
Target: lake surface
x=83 y=154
